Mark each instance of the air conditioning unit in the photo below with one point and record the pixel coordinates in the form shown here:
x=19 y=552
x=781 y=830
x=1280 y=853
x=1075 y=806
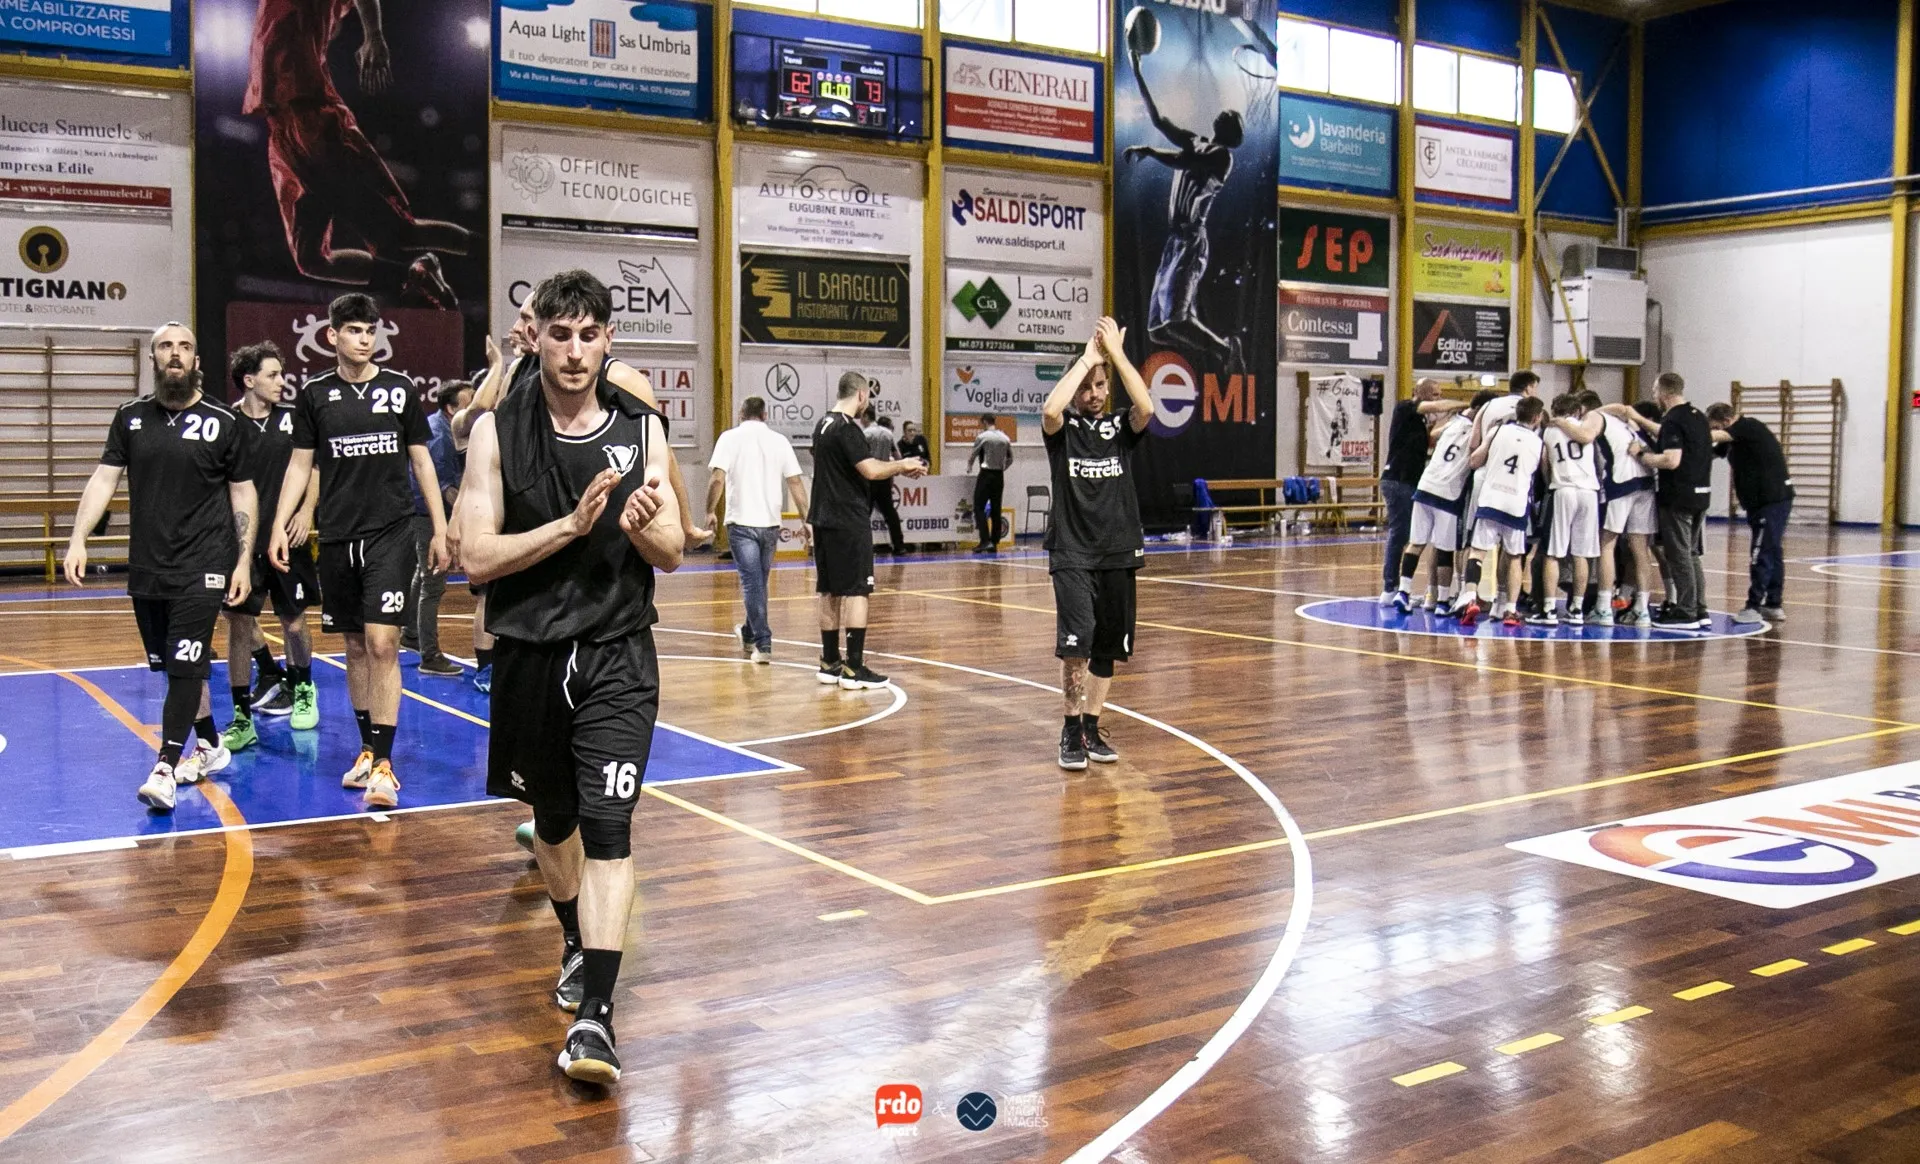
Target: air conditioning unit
x=1590 y=257
x=1600 y=320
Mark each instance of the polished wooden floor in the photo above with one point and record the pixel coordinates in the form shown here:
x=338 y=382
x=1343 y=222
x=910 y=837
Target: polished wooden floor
x=932 y=901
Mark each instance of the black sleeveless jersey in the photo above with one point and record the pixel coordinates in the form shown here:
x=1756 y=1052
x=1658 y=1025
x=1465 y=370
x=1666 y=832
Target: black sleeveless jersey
x=597 y=587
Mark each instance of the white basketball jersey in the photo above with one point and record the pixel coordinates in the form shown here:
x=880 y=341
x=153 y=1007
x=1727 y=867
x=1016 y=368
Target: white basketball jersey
x=1571 y=463
x=1622 y=469
x=1497 y=412
x=1507 y=478
x=1446 y=472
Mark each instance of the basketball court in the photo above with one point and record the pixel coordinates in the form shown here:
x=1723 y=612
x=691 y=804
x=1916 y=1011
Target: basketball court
x=1257 y=937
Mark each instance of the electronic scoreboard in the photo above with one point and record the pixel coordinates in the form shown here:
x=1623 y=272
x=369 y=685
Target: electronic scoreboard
x=820 y=85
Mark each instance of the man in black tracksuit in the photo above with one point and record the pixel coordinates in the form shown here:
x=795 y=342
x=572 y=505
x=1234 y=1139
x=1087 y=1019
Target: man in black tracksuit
x=1765 y=492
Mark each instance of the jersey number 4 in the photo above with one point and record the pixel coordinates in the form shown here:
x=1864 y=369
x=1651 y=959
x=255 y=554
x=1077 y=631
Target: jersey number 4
x=1513 y=464
x=200 y=428
x=389 y=399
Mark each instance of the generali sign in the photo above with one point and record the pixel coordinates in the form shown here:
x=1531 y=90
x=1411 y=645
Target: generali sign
x=999 y=99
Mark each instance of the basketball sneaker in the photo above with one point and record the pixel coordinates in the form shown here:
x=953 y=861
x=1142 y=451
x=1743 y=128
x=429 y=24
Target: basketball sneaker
x=483 y=680
x=1093 y=738
x=572 y=987
x=1073 y=748
x=756 y=655
x=439 y=665
x=425 y=285
x=829 y=671
x=240 y=734
x=271 y=697
x=854 y=678
x=1543 y=618
x=588 y=1054
x=1773 y=614
x=356 y=776
x=383 y=787
x=1403 y=602
x=1443 y=608
x=306 y=708
x=1470 y=613
x=1576 y=618
x=1514 y=620
x=205 y=761
x=1603 y=616
x=157 y=790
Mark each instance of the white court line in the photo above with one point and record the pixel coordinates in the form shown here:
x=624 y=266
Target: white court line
x=69 y=848
x=899 y=701
x=1263 y=989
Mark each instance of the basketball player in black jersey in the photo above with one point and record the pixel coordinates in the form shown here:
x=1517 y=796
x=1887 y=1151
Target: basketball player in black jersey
x=1094 y=538
x=361 y=426
x=565 y=514
x=267 y=425
x=189 y=545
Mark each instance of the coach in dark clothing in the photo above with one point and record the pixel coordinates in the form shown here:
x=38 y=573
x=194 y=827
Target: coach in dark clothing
x=1765 y=491
x=1407 y=445
x=1682 y=452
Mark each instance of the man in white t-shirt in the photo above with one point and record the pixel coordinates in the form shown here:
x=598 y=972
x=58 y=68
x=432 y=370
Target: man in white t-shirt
x=753 y=465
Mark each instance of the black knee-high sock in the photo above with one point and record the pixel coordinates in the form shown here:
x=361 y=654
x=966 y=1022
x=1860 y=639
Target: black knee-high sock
x=569 y=914
x=299 y=675
x=176 y=716
x=380 y=739
x=203 y=727
x=857 y=645
x=241 y=709
x=269 y=666
x=1591 y=599
x=601 y=971
x=1408 y=564
x=1471 y=575
x=830 y=645
x=365 y=720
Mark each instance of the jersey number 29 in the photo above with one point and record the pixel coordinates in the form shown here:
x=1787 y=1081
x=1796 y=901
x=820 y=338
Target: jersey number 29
x=389 y=399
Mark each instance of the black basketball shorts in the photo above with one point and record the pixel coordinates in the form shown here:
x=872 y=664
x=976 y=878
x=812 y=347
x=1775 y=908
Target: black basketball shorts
x=177 y=632
x=292 y=592
x=843 y=562
x=366 y=581
x=573 y=724
x=1093 y=614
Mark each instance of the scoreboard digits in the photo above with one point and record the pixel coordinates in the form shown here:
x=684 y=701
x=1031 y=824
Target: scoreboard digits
x=821 y=86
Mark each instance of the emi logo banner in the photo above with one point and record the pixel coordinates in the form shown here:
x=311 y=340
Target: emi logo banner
x=1778 y=849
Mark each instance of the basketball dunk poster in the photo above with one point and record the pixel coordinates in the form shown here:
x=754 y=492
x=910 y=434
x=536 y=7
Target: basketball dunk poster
x=342 y=146
x=1196 y=160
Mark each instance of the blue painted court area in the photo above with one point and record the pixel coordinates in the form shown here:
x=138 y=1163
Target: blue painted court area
x=1368 y=614
x=69 y=768
x=1891 y=560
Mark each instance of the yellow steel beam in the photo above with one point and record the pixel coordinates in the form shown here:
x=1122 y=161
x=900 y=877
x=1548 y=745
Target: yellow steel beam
x=1896 y=448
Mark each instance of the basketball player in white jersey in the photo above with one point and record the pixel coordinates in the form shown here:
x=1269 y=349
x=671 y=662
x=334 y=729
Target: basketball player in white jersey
x=1507 y=464
x=1575 y=481
x=1437 y=501
x=1630 y=514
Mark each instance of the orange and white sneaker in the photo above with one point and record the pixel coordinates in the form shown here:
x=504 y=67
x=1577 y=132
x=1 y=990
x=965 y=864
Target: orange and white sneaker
x=383 y=787
x=362 y=770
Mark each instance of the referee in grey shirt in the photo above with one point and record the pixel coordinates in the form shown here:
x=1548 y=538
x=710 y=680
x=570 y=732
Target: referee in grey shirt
x=994 y=452
x=879 y=434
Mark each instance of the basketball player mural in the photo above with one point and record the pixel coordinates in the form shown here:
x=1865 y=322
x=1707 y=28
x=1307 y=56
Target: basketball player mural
x=334 y=189
x=1201 y=167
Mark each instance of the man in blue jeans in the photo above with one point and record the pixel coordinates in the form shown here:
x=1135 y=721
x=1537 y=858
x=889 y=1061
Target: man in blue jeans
x=752 y=465
x=1765 y=492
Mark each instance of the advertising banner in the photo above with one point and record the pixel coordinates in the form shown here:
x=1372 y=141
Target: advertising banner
x=1461 y=337
x=1327 y=248
x=788 y=299
x=1462 y=261
x=1016 y=218
x=1333 y=327
x=676 y=385
x=1778 y=849
x=647 y=55
x=336 y=154
x=592 y=184
x=1013 y=392
x=654 y=285
x=65 y=145
x=1335 y=145
x=932 y=509
x=1339 y=433
x=134 y=27
x=1012 y=312
x=72 y=270
x=422 y=345
x=1196 y=121
x=846 y=203
x=799 y=385
x=997 y=99
x=1465 y=163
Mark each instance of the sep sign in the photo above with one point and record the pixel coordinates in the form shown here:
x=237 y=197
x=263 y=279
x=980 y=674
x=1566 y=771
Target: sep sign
x=1778 y=849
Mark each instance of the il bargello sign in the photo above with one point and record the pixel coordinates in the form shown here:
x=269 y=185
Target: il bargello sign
x=1004 y=99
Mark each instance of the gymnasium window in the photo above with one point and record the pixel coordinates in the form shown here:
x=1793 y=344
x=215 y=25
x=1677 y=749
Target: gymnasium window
x=1466 y=85
x=1339 y=61
x=905 y=13
x=1078 y=25
x=1555 y=110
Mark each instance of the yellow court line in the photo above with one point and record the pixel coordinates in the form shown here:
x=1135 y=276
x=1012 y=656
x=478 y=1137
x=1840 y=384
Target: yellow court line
x=1912 y=927
x=843 y=915
x=1107 y=871
x=1428 y=1074
x=1482 y=668
x=1616 y=1017
x=1532 y=1043
x=235 y=875
x=1851 y=945
x=1772 y=969
x=1704 y=990
x=912 y=895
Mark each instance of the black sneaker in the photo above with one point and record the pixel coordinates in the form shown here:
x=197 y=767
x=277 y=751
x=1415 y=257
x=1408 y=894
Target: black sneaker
x=588 y=1054
x=272 y=697
x=829 y=671
x=1073 y=748
x=854 y=678
x=1673 y=618
x=1094 y=738
x=572 y=986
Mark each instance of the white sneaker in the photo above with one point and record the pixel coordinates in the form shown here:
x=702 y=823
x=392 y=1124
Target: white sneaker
x=356 y=776
x=740 y=632
x=1386 y=597
x=157 y=792
x=756 y=655
x=204 y=762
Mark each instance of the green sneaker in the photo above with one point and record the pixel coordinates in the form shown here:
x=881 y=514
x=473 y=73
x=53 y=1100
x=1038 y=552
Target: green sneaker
x=240 y=734
x=306 y=708
x=523 y=836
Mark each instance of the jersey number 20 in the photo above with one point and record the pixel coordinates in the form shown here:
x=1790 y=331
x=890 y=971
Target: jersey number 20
x=200 y=428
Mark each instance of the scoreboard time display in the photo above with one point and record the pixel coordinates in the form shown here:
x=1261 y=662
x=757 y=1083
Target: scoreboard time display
x=820 y=85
